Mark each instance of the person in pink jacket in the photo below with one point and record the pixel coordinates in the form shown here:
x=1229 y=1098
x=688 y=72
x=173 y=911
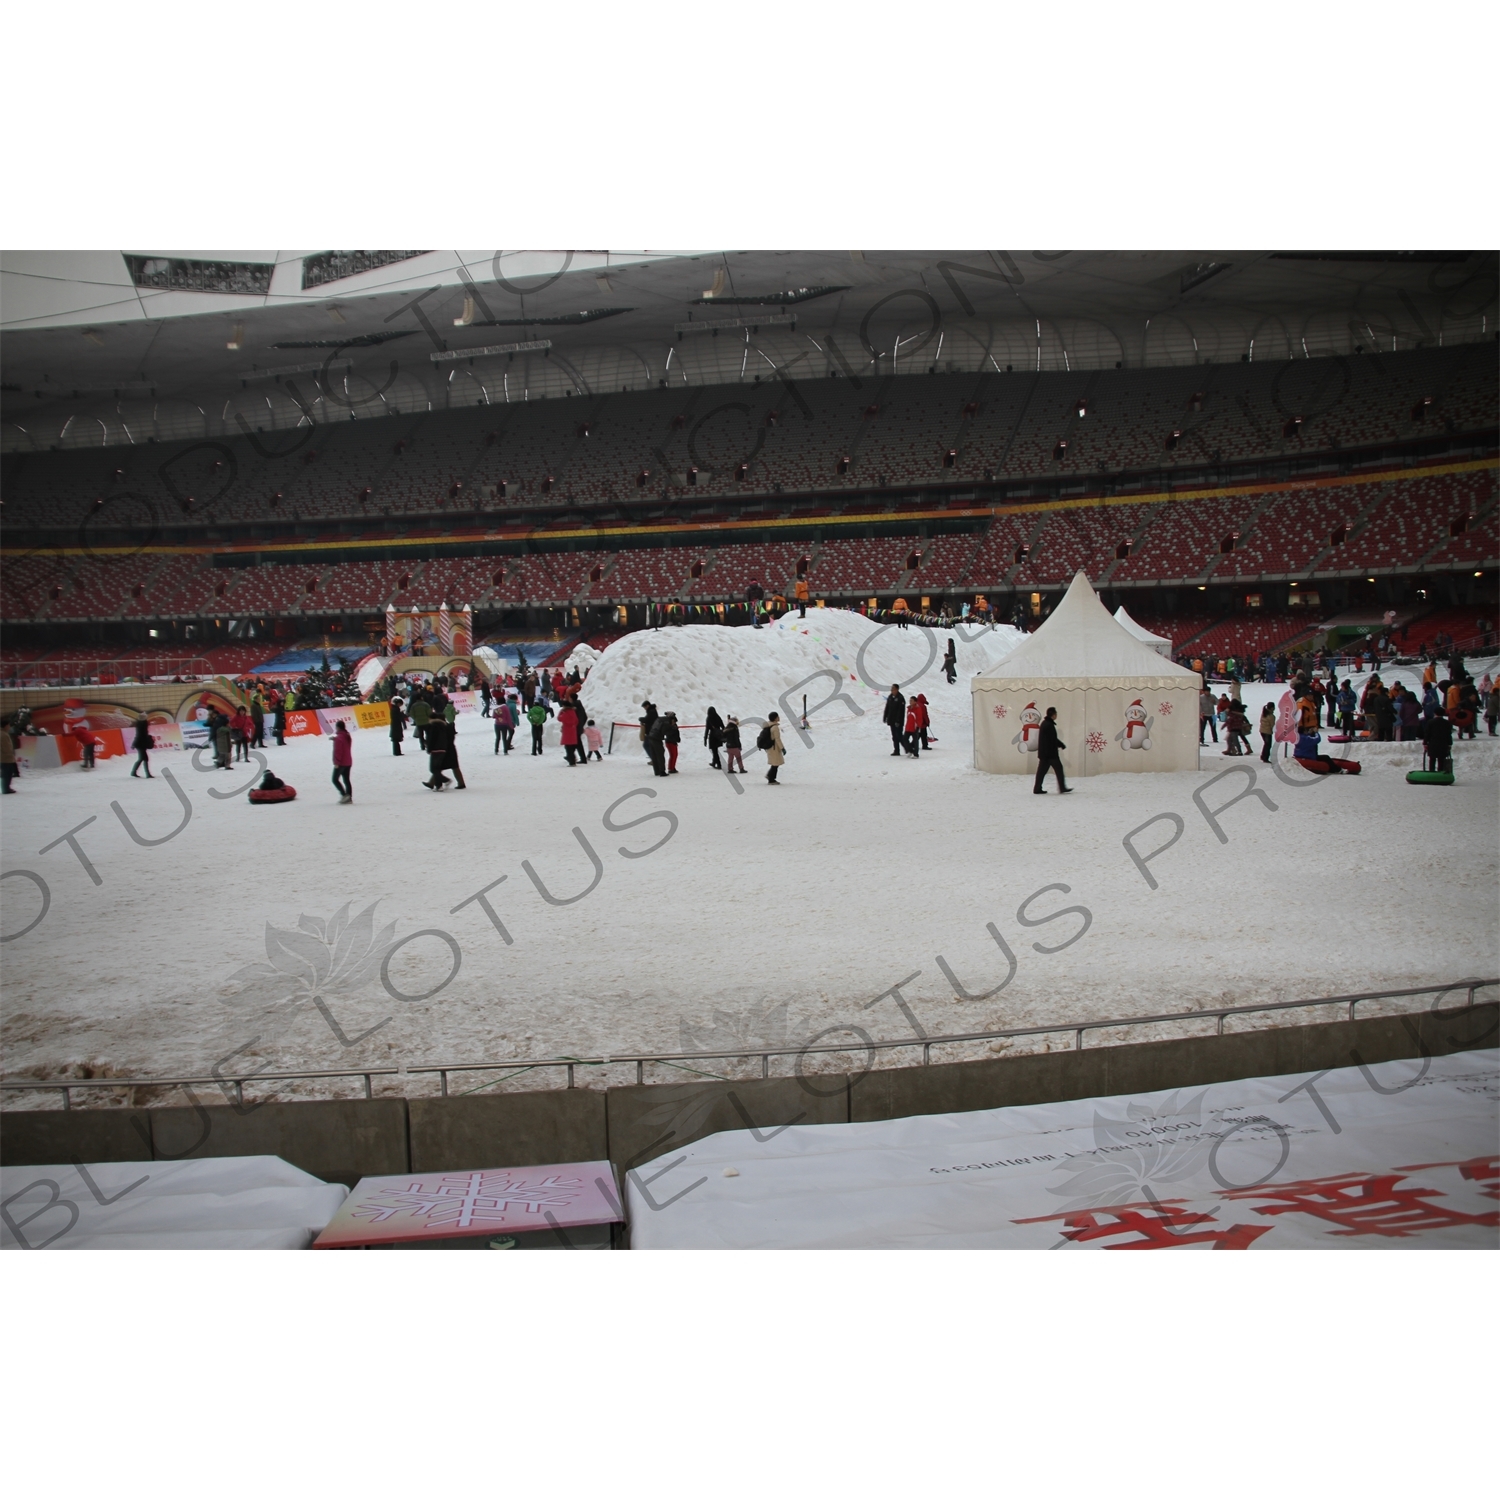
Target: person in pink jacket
x=343 y=761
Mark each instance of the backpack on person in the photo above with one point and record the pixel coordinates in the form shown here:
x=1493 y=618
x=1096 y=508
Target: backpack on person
x=765 y=739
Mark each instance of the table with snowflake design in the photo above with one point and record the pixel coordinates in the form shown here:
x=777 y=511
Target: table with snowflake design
x=496 y=1201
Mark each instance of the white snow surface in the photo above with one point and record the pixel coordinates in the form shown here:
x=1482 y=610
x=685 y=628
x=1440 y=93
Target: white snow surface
x=749 y=917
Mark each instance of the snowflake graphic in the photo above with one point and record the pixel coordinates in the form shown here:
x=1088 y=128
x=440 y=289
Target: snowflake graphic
x=1164 y=708
x=1095 y=741
x=1000 y=710
x=465 y=1200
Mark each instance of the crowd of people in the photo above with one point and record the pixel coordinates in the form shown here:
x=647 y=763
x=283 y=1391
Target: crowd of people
x=1284 y=666
x=661 y=736
x=1447 y=708
x=761 y=607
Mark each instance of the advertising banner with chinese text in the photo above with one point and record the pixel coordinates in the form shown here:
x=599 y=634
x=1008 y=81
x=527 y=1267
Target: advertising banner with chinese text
x=1393 y=1155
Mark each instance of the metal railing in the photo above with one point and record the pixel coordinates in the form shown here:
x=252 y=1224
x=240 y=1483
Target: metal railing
x=225 y=1081
x=682 y=1060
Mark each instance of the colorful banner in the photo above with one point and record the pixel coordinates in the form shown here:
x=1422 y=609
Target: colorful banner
x=303 y=721
x=372 y=715
x=356 y=716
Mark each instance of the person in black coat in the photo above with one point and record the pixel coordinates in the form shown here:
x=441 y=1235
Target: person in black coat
x=141 y=744
x=1437 y=739
x=442 y=754
x=398 y=723
x=1048 y=758
x=895 y=717
x=713 y=737
x=950 y=661
x=278 y=720
x=656 y=737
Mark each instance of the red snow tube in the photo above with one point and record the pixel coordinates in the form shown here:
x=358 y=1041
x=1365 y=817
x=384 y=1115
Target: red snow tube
x=281 y=794
x=1328 y=765
x=1461 y=718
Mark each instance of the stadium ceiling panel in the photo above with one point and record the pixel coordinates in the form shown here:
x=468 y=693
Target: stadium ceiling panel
x=198 y=324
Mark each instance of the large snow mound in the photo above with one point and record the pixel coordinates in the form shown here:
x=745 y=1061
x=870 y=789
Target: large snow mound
x=744 y=671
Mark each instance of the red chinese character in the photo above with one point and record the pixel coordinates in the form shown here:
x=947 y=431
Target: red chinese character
x=1366 y=1203
x=1481 y=1169
x=1157 y=1225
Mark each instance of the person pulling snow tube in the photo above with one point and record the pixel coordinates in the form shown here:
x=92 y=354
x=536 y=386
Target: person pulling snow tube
x=1430 y=778
x=272 y=789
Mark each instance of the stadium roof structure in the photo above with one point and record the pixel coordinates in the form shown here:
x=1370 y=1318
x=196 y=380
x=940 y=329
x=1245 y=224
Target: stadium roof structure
x=199 y=326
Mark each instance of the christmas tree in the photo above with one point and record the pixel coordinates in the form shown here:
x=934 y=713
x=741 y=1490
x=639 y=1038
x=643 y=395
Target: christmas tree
x=342 y=685
x=312 y=691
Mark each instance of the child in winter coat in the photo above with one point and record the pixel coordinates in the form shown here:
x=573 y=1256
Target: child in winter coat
x=537 y=715
x=913 y=728
x=596 y=743
x=734 y=759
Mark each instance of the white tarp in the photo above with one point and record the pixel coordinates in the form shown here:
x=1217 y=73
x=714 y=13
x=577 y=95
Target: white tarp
x=1120 y=706
x=1158 y=643
x=1400 y=1154
x=213 y=1203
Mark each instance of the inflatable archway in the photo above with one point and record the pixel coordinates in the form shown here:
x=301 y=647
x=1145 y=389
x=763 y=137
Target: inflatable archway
x=433 y=665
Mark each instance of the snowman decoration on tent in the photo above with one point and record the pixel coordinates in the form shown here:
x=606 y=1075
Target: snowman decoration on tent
x=1031 y=727
x=1136 y=735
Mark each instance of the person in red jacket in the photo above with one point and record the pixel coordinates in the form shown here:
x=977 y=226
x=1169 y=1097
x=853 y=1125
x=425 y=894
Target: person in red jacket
x=913 y=728
x=343 y=761
x=924 y=719
x=242 y=728
x=85 y=737
x=569 y=721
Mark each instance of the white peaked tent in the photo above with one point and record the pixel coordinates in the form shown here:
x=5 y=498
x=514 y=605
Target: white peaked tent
x=1158 y=643
x=1120 y=706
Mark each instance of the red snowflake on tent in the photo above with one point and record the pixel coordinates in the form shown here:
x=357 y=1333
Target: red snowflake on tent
x=1095 y=741
x=1000 y=710
x=1164 y=708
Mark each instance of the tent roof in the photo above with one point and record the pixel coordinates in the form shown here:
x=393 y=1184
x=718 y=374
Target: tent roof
x=1081 y=639
x=1139 y=631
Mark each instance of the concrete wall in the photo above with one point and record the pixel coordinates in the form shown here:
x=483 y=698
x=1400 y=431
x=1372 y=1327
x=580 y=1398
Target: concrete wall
x=339 y=1140
x=55 y=1137
x=507 y=1130
x=343 y=1140
x=645 y=1122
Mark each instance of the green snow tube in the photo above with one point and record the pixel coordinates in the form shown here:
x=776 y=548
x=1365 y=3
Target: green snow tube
x=1430 y=778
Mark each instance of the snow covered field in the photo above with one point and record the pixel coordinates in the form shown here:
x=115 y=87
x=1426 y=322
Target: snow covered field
x=736 y=914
